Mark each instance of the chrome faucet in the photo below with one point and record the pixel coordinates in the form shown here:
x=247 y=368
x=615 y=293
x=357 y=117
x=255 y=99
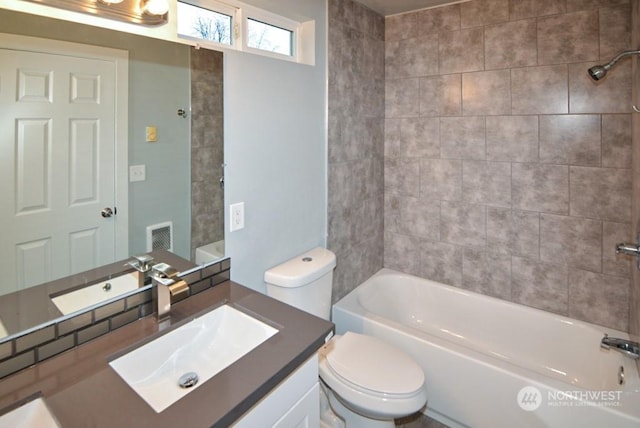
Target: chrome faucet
x=142 y=264
x=627 y=347
x=165 y=286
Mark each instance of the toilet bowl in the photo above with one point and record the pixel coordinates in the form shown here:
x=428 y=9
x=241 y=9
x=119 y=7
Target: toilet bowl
x=367 y=382
x=372 y=379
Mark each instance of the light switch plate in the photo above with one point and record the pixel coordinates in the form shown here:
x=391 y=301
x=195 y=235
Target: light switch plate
x=151 y=133
x=137 y=173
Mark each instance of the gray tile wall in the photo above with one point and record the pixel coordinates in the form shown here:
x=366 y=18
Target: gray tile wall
x=634 y=321
x=207 y=197
x=507 y=171
x=356 y=141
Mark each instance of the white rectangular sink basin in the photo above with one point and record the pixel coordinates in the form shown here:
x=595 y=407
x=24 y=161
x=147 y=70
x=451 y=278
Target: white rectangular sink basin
x=96 y=293
x=204 y=346
x=34 y=414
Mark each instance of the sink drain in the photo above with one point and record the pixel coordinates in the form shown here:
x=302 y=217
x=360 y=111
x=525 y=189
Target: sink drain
x=188 y=380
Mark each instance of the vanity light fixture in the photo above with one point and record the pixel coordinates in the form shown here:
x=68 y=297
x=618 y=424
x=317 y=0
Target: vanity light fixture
x=141 y=12
x=154 y=7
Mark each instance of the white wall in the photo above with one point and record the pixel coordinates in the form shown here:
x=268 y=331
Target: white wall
x=275 y=151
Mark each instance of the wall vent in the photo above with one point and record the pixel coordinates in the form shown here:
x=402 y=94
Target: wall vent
x=160 y=236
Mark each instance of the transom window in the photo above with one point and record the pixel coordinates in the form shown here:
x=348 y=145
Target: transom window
x=238 y=26
x=198 y=22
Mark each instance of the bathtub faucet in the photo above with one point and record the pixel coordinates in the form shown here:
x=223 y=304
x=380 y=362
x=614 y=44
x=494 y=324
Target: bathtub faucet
x=627 y=347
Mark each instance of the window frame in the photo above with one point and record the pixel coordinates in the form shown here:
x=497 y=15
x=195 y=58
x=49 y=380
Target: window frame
x=222 y=9
x=240 y=14
x=273 y=20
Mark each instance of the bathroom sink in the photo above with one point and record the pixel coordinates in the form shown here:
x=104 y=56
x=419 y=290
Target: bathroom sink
x=97 y=293
x=34 y=414
x=169 y=367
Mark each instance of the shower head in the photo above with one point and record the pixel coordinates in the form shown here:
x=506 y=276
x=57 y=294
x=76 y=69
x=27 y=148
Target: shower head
x=597 y=72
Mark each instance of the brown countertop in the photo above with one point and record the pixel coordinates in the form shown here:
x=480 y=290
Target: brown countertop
x=82 y=390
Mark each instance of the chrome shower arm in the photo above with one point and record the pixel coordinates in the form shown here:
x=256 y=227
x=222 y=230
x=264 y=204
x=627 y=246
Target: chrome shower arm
x=619 y=57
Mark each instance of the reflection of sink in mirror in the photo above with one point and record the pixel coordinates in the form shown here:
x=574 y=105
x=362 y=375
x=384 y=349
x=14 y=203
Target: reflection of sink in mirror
x=34 y=414
x=96 y=293
x=210 y=252
x=204 y=347
x=3 y=330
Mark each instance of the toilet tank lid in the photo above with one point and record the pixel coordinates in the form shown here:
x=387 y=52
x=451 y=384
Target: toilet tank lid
x=303 y=269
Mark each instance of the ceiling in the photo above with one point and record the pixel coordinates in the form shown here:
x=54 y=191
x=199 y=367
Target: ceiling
x=392 y=7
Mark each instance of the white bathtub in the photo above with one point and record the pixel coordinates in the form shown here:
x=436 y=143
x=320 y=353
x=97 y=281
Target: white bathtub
x=478 y=353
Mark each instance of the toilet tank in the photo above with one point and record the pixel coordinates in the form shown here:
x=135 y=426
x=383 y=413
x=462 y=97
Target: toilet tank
x=304 y=282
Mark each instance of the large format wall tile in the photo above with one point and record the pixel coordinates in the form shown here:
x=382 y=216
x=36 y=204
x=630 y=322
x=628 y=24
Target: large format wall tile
x=462 y=138
x=441 y=95
x=487 y=183
x=461 y=51
x=571 y=241
x=523 y=162
x=483 y=12
x=513 y=232
x=541 y=285
x=616 y=140
x=402 y=97
x=412 y=57
x=439 y=19
x=539 y=90
x=512 y=138
x=463 y=224
x=600 y=299
x=566 y=38
x=441 y=179
x=612 y=94
x=486 y=93
x=487 y=273
x=510 y=45
x=570 y=139
x=601 y=193
x=356 y=135
x=539 y=187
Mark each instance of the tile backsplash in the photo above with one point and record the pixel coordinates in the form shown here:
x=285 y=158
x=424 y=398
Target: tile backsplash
x=46 y=341
x=507 y=170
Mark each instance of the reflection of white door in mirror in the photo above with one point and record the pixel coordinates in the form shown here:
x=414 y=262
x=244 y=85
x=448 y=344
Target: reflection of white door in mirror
x=58 y=145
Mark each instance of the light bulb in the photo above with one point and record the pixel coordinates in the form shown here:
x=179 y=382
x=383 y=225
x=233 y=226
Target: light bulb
x=155 y=7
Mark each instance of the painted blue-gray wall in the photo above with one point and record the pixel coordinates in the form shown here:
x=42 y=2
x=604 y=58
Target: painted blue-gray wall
x=275 y=150
x=166 y=192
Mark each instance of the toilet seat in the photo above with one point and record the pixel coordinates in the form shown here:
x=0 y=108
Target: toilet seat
x=373 y=365
x=372 y=377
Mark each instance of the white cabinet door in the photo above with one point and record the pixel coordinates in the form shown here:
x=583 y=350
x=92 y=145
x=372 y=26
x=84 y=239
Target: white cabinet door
x=294 y=402
x=305 y=413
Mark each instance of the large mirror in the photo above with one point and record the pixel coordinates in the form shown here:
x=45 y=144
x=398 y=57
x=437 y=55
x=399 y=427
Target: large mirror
x=174 y=172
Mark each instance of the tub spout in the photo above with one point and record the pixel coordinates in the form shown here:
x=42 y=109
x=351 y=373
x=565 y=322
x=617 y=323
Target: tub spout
x=627 y=347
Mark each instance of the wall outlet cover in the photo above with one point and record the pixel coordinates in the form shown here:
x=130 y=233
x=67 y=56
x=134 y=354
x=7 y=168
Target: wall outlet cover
x=137 y=173
x=236 y=216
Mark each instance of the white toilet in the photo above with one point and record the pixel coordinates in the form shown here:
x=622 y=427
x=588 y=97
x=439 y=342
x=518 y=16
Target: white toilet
x=368 y=382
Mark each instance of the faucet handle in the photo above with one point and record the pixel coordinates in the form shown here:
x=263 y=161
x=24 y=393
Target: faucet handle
x=163 y=270
x=142 y=262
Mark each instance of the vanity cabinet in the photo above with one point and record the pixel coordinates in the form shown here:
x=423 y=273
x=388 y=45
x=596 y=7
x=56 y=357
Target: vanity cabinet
x=295 y=402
